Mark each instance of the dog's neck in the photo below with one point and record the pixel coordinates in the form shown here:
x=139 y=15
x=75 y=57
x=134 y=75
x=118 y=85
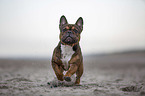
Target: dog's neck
x=75 y=47
x=66 y=49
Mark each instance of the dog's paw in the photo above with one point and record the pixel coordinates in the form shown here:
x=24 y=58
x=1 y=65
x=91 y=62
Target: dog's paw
x=66 y=78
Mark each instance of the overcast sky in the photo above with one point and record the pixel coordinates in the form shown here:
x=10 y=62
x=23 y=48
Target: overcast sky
x=31 y=27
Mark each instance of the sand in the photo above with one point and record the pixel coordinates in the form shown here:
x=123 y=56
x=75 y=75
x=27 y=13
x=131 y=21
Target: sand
x=121 y=74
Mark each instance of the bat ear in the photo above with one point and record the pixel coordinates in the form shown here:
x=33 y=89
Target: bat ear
x=62 y=20
x=80 y=22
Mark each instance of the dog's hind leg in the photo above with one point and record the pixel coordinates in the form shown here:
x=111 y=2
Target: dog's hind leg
x=79 y=74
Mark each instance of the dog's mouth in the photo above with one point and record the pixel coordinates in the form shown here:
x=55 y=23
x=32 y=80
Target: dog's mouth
x=69 y=40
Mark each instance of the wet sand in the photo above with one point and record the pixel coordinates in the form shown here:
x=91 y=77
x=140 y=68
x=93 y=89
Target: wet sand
x=121 y=74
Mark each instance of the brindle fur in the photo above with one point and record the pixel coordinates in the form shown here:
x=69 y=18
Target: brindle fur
x=76 y=61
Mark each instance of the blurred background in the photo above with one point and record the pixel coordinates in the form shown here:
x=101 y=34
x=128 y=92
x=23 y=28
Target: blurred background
x=112 y=43
x=30 y=28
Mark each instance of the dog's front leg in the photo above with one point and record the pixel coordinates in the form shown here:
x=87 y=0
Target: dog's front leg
x=58 y=71
x=73 y=68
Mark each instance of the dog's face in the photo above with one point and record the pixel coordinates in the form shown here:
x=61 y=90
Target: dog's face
x=70 y=33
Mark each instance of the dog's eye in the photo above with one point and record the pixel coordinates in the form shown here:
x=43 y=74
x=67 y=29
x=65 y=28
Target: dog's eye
x=64 y=30
x=76 y=31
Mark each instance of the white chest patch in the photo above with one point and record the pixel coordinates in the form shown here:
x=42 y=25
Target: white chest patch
x=67 y=53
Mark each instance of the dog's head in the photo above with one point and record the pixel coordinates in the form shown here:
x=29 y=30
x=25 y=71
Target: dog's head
x=70 y=33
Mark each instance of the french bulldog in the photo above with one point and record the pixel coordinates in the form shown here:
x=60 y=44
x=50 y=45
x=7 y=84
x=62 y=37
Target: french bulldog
x=67 y=55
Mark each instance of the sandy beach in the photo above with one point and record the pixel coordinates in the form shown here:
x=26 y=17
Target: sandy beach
x=120 y=74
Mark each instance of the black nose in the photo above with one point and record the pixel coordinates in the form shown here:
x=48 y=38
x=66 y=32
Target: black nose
x=69 y=32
